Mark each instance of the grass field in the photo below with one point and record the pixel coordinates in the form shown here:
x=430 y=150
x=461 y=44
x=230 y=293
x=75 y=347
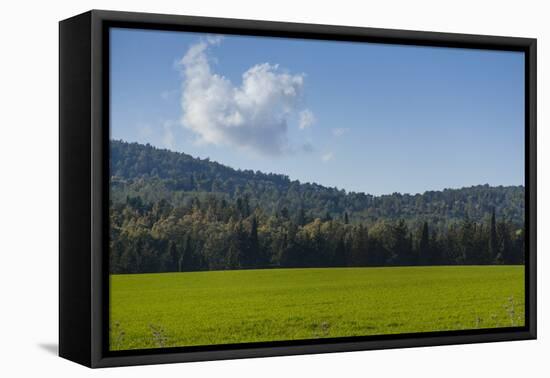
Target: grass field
x=200 y=308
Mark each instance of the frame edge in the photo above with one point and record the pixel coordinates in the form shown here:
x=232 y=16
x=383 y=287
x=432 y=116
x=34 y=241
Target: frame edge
x=75 y=275
x=99 y=17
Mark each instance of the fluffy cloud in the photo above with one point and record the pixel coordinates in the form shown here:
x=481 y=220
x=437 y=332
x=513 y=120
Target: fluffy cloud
x=252 y=115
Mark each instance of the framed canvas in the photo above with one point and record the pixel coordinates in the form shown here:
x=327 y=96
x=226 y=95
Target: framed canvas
x=235 y=188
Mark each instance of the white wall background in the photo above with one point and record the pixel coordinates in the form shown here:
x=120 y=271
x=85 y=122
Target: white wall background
x=29 y=186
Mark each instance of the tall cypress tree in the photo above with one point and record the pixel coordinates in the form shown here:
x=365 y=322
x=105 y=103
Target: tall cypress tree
x=424 y=255
x=493 y=250
x=172 y=257
x=412 y=260
x=467 y=242
x=185 y=255
x=253 y=245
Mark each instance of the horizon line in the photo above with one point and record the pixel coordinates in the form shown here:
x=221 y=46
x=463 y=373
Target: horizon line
x=315 y=183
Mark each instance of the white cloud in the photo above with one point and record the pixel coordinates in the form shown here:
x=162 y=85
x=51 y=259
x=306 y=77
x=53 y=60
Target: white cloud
x=214 y=39
x=339 y=131
x=306 y=119
x=252 y=115
x=327 y=156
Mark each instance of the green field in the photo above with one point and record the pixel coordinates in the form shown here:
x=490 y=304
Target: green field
x=200 y=308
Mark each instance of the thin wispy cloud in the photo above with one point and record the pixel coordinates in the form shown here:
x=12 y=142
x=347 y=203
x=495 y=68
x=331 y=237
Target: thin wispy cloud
x=307 y=119
x=252 y=115
x=214 y=39
x=339 y=131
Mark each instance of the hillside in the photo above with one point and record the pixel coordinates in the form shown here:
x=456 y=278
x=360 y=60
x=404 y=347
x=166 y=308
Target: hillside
x=154 y=174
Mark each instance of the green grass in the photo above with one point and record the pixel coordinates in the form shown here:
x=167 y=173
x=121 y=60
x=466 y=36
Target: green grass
x=201 y=308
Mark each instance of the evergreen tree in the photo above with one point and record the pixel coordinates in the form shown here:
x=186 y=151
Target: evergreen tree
x=360 y=246
x=340 y=252
x=253 y=244
x=172 y=257
x=184 y=261
x=467 y=242
x=493 y=243
x=505 y=244
x=400 y=243
x=424 y=252
x=436 y=250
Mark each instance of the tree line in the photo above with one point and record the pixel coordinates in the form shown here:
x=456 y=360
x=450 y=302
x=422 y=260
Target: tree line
x=212 y=232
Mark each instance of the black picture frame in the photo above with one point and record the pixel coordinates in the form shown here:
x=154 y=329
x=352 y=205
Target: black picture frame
x=84 y=184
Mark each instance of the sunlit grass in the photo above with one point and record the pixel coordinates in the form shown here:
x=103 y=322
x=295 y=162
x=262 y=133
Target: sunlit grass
x=203 y=308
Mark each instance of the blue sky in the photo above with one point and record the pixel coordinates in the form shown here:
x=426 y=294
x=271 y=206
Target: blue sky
x=363 y=117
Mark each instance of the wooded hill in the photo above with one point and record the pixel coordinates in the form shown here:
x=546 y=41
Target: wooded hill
x=154 y=174
x=173 y=212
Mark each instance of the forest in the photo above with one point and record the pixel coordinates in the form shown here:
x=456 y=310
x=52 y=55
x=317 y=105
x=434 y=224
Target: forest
x=170 y=212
